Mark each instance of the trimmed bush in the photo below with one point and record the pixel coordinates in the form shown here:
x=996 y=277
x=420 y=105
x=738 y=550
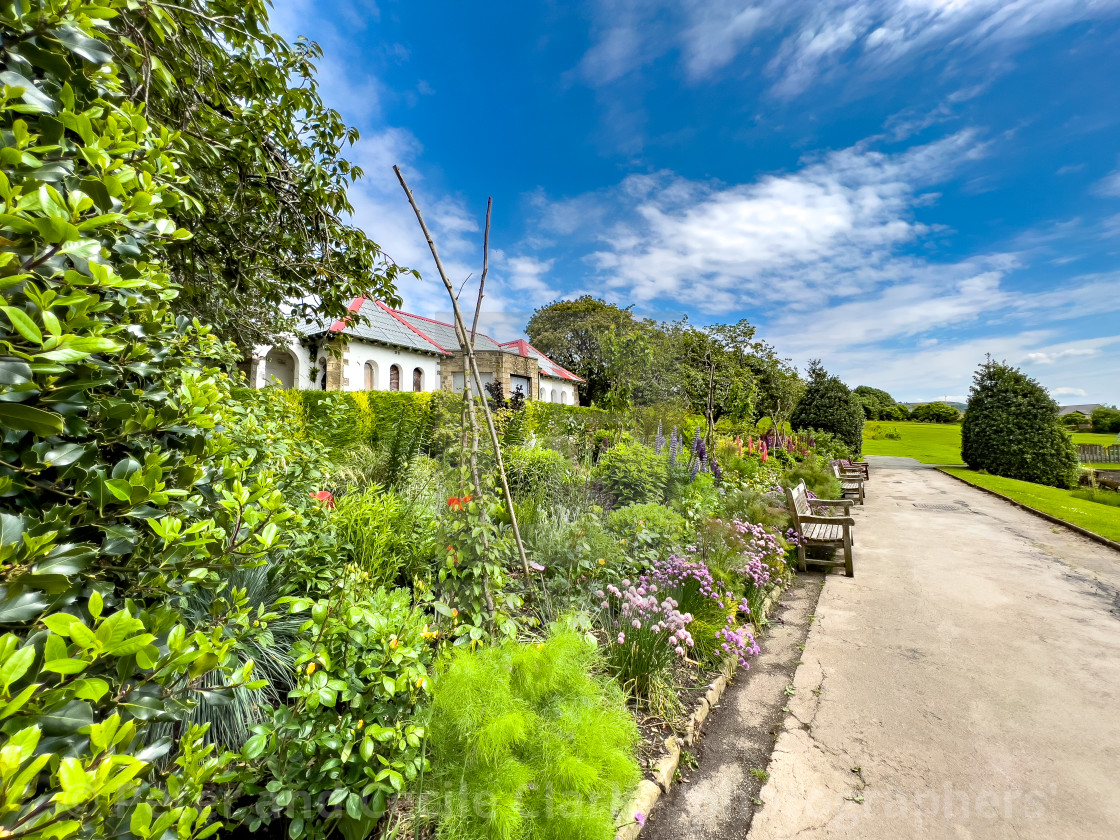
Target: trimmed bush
x=1012 y=429
x=533 y=472
x=526 y=742
x=829 y=405
x=652 y=525
x=631 y=473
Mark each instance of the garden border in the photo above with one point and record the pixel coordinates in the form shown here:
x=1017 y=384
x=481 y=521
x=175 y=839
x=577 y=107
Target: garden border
x=665 y=768
x=1085 y=532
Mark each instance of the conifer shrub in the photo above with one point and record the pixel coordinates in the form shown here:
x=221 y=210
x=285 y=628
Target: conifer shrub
x=526 y=741
x=829 y=405
x=1012 y=429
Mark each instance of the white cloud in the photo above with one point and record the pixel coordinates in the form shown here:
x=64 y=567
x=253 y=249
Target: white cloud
x=1048 y=358
x=817 y=38
x=1109 y=185
x=830 y=229
x=1068 y=392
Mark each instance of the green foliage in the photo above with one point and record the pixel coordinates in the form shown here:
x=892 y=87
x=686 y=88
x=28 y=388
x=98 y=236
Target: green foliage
x=817 y=475
x=1098 y=495
x=349 y=739
x=268 y=204
x=536 y=472
x=631 y=473
x=935 y=412
x=1011 y=429
x=119 y=501
x=379 y=533
x=650 y=530
x=527 y=743
x=879 y=405
x=828 y=405
x=1105 y=420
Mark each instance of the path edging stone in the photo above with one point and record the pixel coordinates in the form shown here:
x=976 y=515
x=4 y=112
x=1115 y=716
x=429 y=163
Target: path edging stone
x=665 y=768
x=1085 y=532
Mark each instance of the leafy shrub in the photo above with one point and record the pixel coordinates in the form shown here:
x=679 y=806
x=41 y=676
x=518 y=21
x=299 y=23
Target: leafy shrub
x=817 y=475
x=535 y=472
x=650 y=529
x=830 y=406
x=1012 y=429
x=935 y=412
x=380 y=533
x=349 y=740
x=631 y=473
x=1105 y=420
x=527 y=743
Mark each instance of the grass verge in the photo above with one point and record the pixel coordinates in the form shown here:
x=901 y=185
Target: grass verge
x=930 y=443
x=1092 y=516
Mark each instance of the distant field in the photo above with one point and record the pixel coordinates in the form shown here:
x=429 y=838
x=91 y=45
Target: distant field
x=938 y=443
x=1092 y=516
x=930 y=443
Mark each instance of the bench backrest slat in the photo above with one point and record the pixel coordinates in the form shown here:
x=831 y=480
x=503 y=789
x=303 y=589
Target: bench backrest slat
x=798 y=503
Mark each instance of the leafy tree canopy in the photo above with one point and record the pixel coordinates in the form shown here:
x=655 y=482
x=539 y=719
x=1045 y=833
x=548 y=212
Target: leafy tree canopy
x=879 y=405
x=829 y=405
x=935 y=412
x=1012 y=429
x=266 y=196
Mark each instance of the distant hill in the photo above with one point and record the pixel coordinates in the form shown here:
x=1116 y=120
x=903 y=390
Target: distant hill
x=959 y=406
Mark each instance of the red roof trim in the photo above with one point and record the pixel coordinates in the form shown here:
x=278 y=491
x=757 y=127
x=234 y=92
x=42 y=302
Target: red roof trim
x=355 y=305
x=524 y=348
x=427 y=338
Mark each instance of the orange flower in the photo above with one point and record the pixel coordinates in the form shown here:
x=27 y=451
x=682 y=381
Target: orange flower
x=455 y=503
x=454 y=613
x=393 y=643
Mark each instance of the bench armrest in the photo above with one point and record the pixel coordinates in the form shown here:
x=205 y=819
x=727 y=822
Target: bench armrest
x=827 y=520
x=844 y=503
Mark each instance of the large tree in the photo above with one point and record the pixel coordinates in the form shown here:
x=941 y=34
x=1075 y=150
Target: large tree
x=829 y=405
x=596 y=340
x=1012 y=428
x=266 y=201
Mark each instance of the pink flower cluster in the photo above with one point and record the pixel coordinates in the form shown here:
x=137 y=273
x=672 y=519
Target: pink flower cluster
x=737 y=641
x=636 y=610
x=762 y=549
x=680 y=573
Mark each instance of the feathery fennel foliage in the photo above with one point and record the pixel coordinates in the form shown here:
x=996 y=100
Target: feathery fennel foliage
x=527 y=742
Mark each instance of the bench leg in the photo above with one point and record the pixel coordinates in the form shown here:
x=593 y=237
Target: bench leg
x=848 y=570
x=801 y=564
x=861 y=492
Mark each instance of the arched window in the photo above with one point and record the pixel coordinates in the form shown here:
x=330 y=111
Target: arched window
x=552 y=396
x=395 y=378
x=371 y=376
x=417 y=380
x=279 y=368
x=564 y=397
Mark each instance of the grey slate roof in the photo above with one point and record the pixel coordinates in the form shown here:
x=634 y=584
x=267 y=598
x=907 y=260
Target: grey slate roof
x=444 y=334
x=1083 y=409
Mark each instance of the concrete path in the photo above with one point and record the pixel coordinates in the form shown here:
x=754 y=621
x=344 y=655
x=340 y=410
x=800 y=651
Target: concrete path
x=965 y=684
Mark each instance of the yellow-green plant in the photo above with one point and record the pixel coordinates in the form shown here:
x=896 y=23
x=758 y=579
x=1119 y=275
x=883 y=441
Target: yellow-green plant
x=526 y=742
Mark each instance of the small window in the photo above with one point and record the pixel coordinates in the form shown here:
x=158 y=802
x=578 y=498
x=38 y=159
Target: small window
x=371 y=376
x=553 y=397
x=417 y=380
x=395 y=378
x=564 y=397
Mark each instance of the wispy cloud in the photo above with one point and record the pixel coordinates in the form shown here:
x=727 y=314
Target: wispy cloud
x=816 y=39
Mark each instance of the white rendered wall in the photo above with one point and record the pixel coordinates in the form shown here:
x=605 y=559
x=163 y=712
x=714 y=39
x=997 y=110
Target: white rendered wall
x=301 y=363
x=558 y=391
x=357 y=353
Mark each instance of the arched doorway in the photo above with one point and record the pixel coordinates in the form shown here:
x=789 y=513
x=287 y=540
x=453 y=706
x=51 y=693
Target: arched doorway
x=395 y=378
x=417 y=379
x=371 y=376
x=279 y=368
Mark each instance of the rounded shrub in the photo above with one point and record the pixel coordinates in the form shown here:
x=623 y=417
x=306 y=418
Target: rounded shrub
x=534 y=472
x=830 y=406
x=631 y=473
x=650 y=524
x=1012 y=429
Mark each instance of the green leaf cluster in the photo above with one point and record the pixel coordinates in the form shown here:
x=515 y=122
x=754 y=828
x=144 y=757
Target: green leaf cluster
x=1012 y=429
x=525 y=742
x=830 y=406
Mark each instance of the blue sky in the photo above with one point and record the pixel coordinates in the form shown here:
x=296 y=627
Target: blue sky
x=895 y=186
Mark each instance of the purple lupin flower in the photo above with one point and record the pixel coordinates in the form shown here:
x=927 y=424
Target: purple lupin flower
x=674 y=447
x=717 y=473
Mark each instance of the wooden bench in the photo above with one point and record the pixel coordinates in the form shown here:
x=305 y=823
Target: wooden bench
x=851 y=482
x=862 y=467
x=814 y=529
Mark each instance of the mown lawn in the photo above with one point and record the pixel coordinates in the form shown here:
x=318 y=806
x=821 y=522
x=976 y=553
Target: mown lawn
x=930 y=443
x=938 y=443
x=1098 y=518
